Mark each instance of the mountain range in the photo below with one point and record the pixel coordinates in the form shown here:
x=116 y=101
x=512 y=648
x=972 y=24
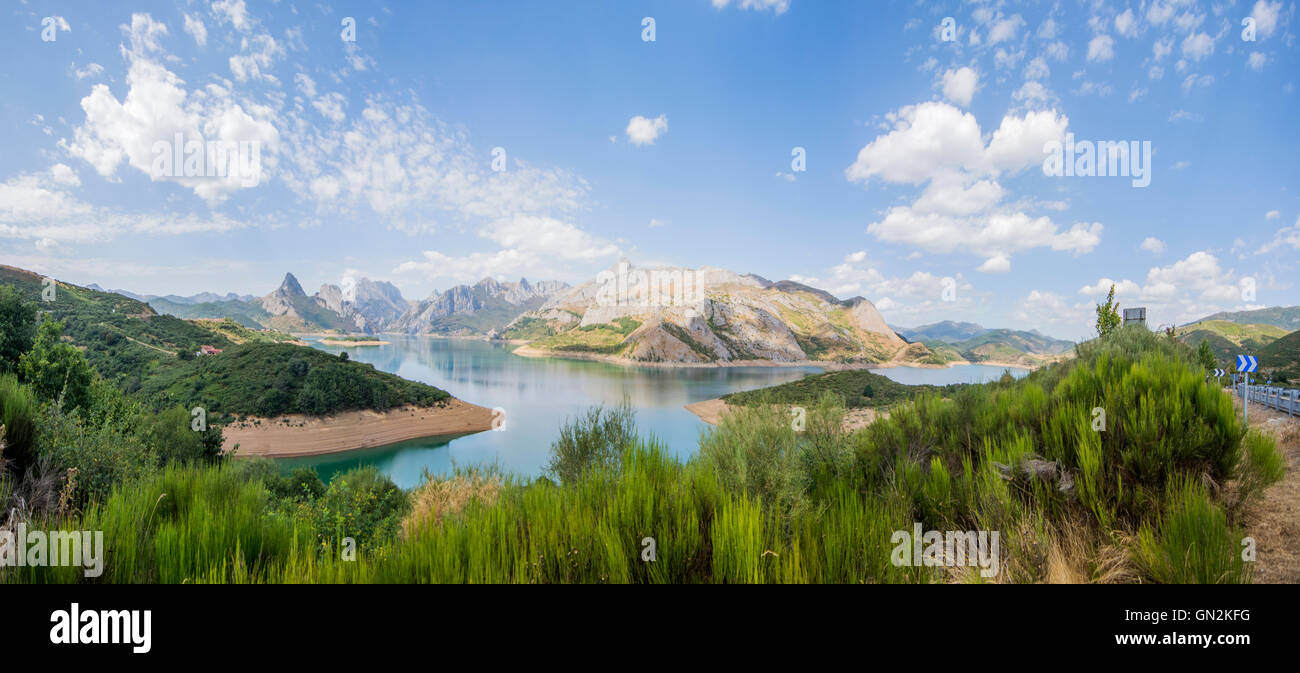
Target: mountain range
x=707 y=315
x=1285 y=317
x=364 y=306
x=970 y=342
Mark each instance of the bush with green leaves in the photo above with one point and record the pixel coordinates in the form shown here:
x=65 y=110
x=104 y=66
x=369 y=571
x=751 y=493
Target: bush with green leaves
x=592 y=441
x=361 y=504
x=173 y=437
x=17 y=327
x=105 y=456
x=56 y=370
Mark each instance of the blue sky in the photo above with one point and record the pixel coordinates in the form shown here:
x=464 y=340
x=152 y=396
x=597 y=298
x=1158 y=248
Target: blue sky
x=923 y=154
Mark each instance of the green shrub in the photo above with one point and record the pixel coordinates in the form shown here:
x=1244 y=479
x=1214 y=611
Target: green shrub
x=594 y=440
x=105 y=457
x=17 y=328
x=56 y=371
x=362 y=504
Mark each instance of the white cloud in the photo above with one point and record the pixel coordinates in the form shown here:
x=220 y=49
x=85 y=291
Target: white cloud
x=644 y=131
x=959 y=85
x=1153 y=244
x=1126 y=23
x=777 y=6
x=257 y=54
x=1005 y=29
x=1101 y=48
x=233 y=12
x=990 y=235
x=1257 y=61
x=959 y=209
x=306 y=84
x=996 y=264
x=1037 y=69
x=1197 y=46
x=1178 y=293
x=1273 y=215
x=41 y=208
x=1058 y=51
x=1162 y=48
x=1032 y=92
x=1049 y=311
x=1159 y=12
x=398 y=162
x=1266 y=16
x=529 y=246
x=194 y=26
x=1284 y=237
x=65 y=175
x=331 y=106
x=1193 y=81
x=1047 y=29
x=90 y=70
x=156 y=108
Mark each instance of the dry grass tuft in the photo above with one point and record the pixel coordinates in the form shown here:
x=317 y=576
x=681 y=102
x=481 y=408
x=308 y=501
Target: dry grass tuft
x=441 y=497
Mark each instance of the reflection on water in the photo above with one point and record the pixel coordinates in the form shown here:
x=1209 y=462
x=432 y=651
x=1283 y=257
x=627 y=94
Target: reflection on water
x=538 y=395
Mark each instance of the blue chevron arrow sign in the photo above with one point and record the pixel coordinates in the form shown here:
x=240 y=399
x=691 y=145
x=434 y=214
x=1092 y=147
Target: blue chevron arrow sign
x=1247 y=363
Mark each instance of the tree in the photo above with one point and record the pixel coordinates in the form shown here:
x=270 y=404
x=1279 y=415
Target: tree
x=17 y=328
x=57 y=371
x=1108 y=314
x=172 y=436
x=1205 y=355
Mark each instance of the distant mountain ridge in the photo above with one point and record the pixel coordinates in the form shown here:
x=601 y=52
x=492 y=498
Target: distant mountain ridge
x=1286 y=317
x=482 y=308
x=365 y=306
x=967 y=341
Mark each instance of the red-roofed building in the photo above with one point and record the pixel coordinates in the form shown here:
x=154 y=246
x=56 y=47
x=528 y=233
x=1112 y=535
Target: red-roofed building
x=208 y=350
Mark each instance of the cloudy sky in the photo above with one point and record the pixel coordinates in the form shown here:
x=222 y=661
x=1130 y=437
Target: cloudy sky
x=892 y=150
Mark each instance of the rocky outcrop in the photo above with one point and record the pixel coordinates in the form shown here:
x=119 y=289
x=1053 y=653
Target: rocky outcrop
x=482 y=308
x=671 y=314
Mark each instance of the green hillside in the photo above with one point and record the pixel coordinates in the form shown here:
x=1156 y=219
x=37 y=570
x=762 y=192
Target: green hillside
x=134 y=347
x=1286 y=317
x=122 y=338
x=1228 y=339
x=248 y=314
x=259 y=379
x=1282 y=358
x=858 y=388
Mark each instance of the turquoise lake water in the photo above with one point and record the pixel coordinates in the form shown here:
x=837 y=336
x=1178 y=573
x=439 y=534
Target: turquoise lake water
x=539 y=394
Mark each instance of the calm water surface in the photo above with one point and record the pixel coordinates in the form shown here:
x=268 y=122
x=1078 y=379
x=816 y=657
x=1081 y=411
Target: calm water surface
x=538 y=395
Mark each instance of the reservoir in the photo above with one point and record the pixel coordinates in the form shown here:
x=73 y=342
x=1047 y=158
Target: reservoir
x=537 y=395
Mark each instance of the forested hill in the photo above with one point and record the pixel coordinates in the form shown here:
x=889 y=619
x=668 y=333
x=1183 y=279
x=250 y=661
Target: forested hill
x=151 y=357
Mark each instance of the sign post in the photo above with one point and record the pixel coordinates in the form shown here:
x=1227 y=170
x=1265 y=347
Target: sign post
x=1246 y=364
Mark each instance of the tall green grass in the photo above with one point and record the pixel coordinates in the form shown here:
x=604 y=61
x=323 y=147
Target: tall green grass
x=767 y=501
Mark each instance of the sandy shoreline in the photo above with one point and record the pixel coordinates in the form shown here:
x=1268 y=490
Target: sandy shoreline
x=530 y=352
x=299 y=435
x=336 y=342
